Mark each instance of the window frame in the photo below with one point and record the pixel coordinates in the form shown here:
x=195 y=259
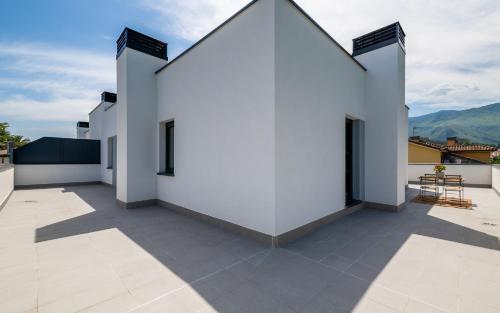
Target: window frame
x=169 y=142
x=110 y=155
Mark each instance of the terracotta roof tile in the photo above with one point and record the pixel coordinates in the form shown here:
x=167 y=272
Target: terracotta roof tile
x=453 y=148
x=427 y=143
x=458 y=148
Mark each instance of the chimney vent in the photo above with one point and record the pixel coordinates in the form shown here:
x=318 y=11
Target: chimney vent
x=82 y=124
x=140 y=42
x=378 y=39
x=108 y=97
x=452 y=141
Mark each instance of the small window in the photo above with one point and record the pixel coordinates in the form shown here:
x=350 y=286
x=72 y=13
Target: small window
x=167 y=148
x=110 y=152
x=169 y=145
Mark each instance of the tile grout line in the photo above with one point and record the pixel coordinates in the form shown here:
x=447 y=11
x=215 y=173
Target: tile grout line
x=371 y=282
x=387 y=288
x=460 y=282
x=196 y=281
x=99 y=252
x=261 y=260
x=346 y=243
x=352 y=240
x=357 y=277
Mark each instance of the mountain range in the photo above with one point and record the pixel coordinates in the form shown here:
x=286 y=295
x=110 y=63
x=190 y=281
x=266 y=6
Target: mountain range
x=478 y=125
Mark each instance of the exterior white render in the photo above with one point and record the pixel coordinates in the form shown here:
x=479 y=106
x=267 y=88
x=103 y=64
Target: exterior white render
x=102 y=122
x=260 y=108
x=56 y=174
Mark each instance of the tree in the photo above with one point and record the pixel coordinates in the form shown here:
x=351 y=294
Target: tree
x=466 y=142
x=6 y=136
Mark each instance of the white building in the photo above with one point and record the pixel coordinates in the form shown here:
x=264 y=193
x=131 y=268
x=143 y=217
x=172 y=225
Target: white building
x=102 y=126
x=278 y=129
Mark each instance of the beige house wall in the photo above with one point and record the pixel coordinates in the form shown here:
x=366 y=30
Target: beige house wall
x=483 y=156
x=422 y=154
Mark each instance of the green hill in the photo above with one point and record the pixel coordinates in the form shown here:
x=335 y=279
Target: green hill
x=478 y=125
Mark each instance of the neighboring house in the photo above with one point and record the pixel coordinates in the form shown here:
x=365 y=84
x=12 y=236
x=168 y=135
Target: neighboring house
x=482 y=153
x=422 y=150
x=266 y=125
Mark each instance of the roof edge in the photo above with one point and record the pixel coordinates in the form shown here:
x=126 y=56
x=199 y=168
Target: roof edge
x=326 y=33
x=492 y=149
x=95 y=108
x=307 y=16
x=466 y=158
x=424 y=145
x=101 y=103
x=449 y=149
x=207 y=35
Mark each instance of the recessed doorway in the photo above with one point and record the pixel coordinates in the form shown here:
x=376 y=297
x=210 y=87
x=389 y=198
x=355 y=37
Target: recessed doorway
x=349 y=190
x=354 y=161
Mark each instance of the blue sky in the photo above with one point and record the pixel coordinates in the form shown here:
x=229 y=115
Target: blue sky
x=56 y=57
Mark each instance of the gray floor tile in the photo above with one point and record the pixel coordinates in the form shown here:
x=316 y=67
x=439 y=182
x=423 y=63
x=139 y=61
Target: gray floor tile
x=254 y=300
x=337 y=262
x=363 y=271
x=63 y=245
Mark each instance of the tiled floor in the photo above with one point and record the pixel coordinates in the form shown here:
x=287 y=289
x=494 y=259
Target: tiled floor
x=72 y=250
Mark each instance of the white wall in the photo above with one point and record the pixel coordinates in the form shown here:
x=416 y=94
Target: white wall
x=386 y=137
x=317 y=87
x=56 y=174
x=6 y=182
x=102 y=126
x=495 y=177
x=121 y=126
x=82 y=132
x=137 y=129
x=221 y=96
x=95 y=122
x=475 y=174
x=403 y=148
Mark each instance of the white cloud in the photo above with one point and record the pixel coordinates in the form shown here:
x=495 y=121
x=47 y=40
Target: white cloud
x=47 y=83
x=107 y=37
x=57 y=108
x=454 y=43
x=453 y=58
x=44 y=59
x=191 y=19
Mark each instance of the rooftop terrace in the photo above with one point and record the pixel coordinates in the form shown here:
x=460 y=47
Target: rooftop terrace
x=73 y=250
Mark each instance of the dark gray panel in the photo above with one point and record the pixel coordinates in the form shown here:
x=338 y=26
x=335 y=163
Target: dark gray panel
x=50 y=150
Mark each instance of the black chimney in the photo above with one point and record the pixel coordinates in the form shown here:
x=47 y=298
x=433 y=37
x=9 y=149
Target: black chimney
x=140 y=42
x=378 y=39
x=108 y=97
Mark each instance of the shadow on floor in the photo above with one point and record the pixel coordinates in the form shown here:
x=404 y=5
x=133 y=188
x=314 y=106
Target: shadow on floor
x=330 y=270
